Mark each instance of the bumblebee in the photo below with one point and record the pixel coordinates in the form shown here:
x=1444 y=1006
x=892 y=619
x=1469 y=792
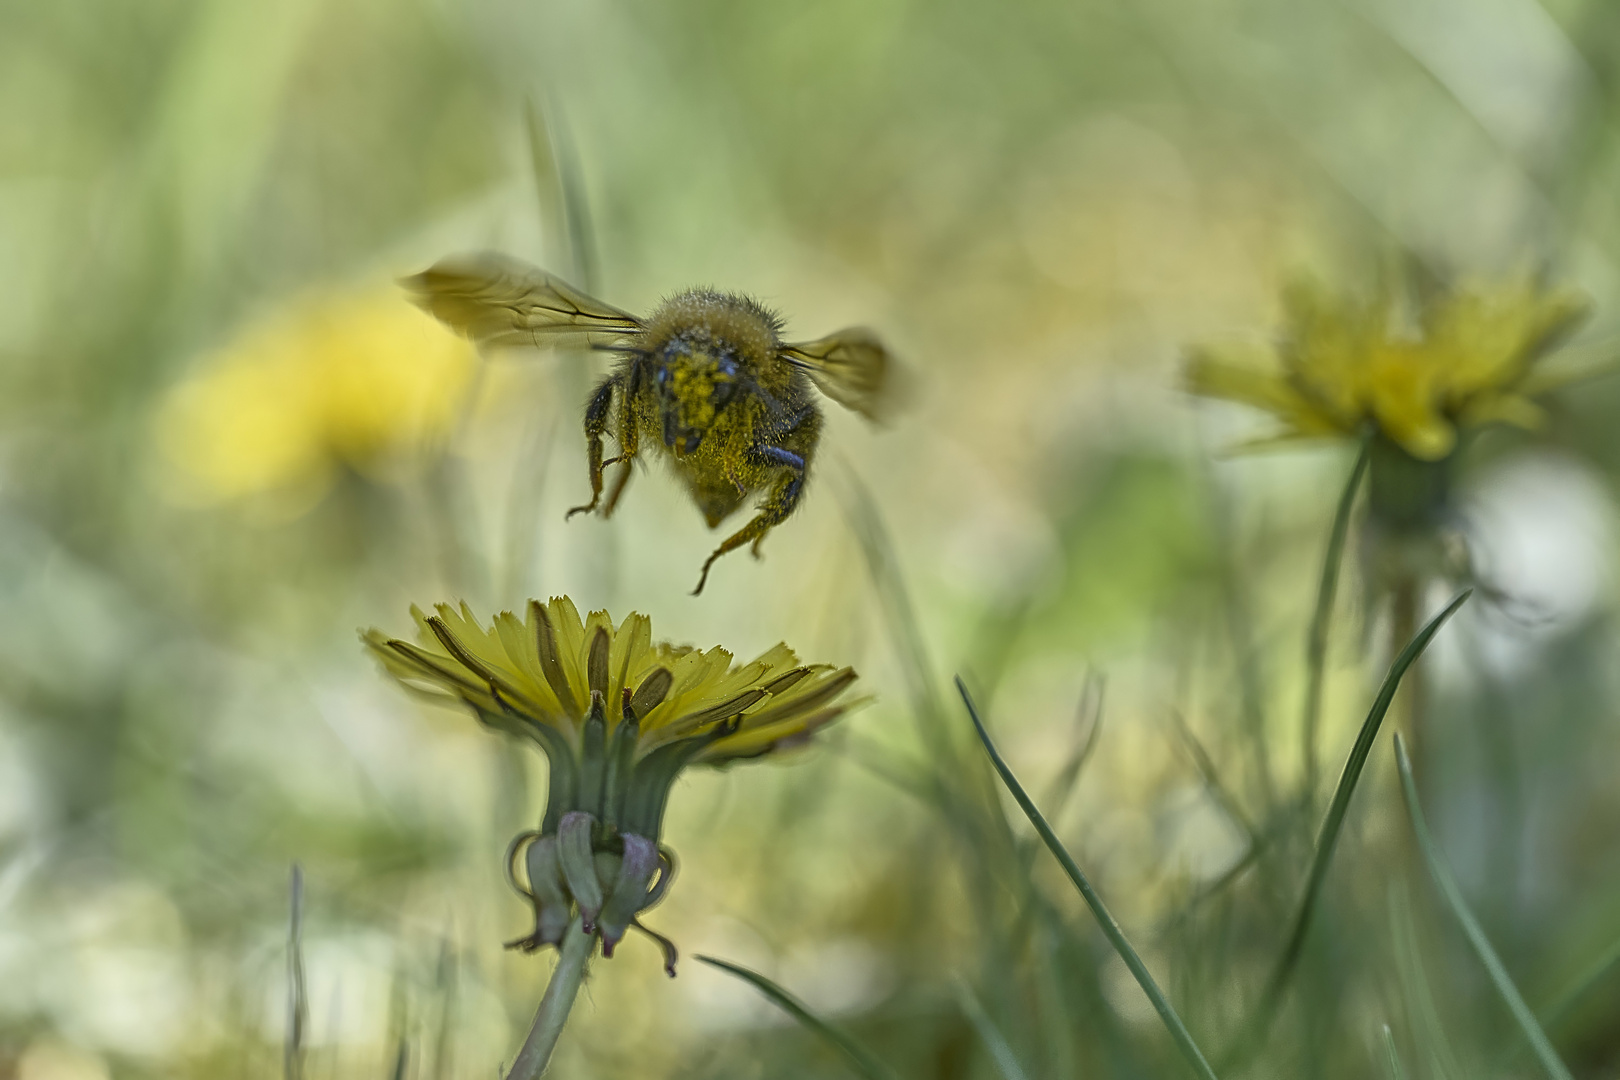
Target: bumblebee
x=705 y=381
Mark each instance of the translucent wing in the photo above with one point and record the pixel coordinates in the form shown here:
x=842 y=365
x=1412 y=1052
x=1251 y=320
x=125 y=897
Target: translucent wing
x=852 y=367
x=498 y=300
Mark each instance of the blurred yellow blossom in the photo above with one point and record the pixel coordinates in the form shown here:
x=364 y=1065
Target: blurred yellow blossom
x=1465 y=358
x=355 y=380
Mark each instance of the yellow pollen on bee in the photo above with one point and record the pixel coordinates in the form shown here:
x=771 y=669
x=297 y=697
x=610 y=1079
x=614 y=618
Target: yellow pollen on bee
x=694 y=379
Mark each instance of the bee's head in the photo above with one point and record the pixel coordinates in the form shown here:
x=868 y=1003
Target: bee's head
x=694 y=376
x=703 y=347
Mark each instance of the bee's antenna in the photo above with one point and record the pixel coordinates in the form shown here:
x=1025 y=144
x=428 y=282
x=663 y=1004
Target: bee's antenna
x=628 y=350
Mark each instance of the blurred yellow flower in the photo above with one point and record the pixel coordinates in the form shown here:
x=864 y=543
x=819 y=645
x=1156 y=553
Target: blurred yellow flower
x=1467 y=359
x=618 y=716
x=356 y=380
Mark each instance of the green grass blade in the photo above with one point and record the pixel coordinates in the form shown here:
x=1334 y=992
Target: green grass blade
x=402 y=1060
x=1088 y=717
x=1430 y=1043
x=1214 y=786
x=1476 y=935
x=1333 y=823
x=1240 y=632
x=1392 y=1057
x=1116 y=937
x=446 y=985
x=864 y=1061
x=1328 y=837
x=905 y=630
x=1562 y=1005
x=1001 y=1052
x=292 y=1055
x=963 y=790
x=1068 y=777
x=565 y=219
x=1322 y=620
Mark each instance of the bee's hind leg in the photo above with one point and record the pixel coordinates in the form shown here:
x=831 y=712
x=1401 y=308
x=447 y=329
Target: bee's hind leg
x=781 y=502
x=596 y=414
x=629 y=443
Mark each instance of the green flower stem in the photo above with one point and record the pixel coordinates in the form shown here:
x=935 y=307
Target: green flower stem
x=1322 y=621
x=552 y=1014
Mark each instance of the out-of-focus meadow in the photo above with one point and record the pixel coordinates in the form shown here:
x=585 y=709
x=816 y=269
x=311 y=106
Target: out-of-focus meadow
x=226 y=442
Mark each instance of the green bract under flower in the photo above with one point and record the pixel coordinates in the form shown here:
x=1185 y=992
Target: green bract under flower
x=619 y=716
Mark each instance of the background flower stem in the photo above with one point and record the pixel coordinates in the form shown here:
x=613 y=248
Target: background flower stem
x=552 y=1014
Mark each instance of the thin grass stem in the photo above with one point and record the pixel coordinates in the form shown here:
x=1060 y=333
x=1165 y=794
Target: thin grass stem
x=1001 y=1052
x=1088 y=716
x=1562 y=1005
x=1063 y=785
x=1392 y=1057
x=560 y=187
x=292 y=1057
x=904 y=629
x=1213 y=784
x=402 y=1060
x=1240 y=632
x=1430 y=1043
x=863 y=1060
x=1110 y=928
x=1476 y=935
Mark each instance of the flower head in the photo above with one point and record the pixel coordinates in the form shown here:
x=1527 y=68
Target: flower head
x=618 y=716
x=1467 y=358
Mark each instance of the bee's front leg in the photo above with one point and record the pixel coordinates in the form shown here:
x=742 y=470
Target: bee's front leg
x=596 y=414
x=782 y=500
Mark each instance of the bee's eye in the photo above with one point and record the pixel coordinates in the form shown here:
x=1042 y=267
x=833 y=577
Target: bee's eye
x=725 y=381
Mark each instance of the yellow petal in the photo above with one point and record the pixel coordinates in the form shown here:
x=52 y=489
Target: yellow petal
x=1512 y=409
x=1486 y=337
x=1575 y=364
x=1401 y=379
x=571 y=648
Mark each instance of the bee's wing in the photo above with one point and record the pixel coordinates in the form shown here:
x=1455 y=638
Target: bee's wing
x=852 y=367
x=497 y=300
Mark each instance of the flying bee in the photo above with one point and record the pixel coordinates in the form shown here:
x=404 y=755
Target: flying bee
x=705 y=381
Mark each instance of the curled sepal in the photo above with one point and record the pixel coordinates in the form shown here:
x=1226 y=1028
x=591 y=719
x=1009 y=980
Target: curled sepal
x=671 y=953
x=579 y=865
x=629 y=891
x=667 y=865
x=532 y=941
x=510 y=863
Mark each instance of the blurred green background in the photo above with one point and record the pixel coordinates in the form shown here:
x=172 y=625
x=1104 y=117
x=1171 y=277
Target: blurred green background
x=226 y=444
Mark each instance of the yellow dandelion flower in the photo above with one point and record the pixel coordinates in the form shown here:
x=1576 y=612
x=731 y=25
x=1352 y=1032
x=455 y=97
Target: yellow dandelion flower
x=350 y=380
x=618 y=716
x=1342 y=366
